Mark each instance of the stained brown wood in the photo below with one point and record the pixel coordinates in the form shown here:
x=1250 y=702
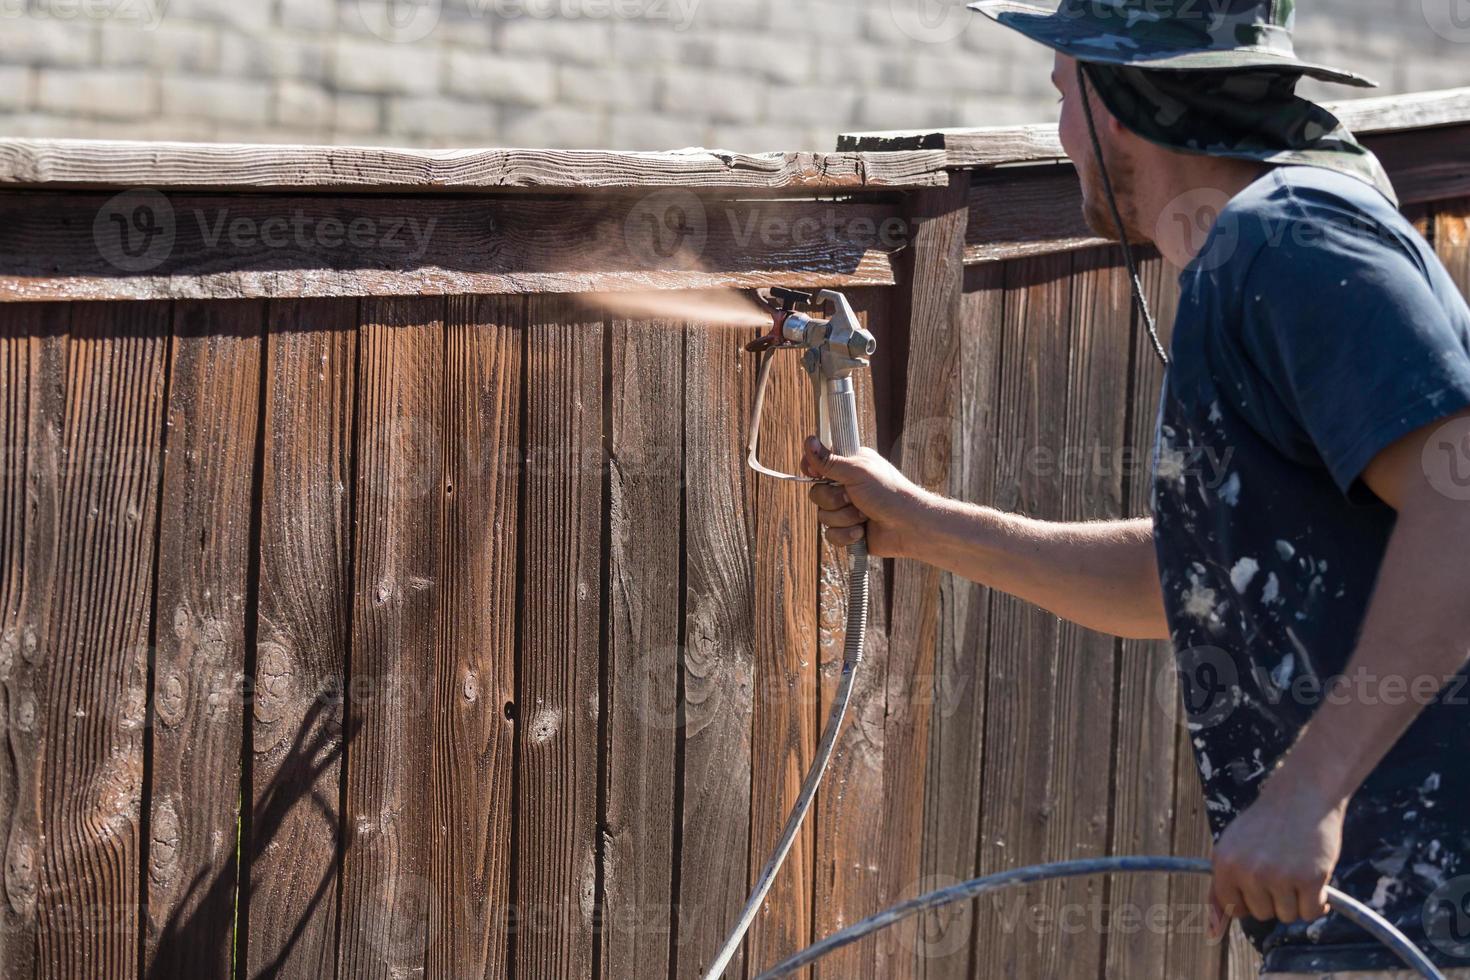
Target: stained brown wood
x=718 y=663
x=92 y=651
x=204 y=560
x=32 y=400
x=640 y=843
x=1452 y=239
x=1026 y=713
x=303 y=632
x=846 y=882
x=1037 y=211
x=472 y=778
x=929 y=304
x=558 y=706
x=143 y=245
x=1084 y=696
x=255 y=167
x=388 y=900
x=787 y=688
x=1145 y=744
x=954 y=794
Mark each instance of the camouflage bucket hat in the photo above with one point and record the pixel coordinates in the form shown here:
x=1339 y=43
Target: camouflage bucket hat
x=1168 y=34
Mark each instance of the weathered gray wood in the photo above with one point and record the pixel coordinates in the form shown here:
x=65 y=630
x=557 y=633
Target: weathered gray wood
x=303 y=638
x=847 y=837
x=88 y=246
x=719 y=648
x=254 y=167
x=1028 y=211
x=388 y=900
x=199 y=658
x=954 y=797
x=647 y=383
x=560 y=614
x=994 y=145
x=929 y=303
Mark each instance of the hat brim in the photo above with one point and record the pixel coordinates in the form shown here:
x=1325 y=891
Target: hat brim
x=1085 y=42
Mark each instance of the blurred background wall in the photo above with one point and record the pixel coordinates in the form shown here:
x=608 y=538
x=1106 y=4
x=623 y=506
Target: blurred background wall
x=624 y=74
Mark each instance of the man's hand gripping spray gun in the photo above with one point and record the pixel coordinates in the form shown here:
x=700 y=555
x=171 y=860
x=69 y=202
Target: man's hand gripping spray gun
x=831 y=350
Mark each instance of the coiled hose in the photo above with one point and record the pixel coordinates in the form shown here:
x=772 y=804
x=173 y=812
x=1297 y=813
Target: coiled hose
x=1345 y=905
x=852 y=656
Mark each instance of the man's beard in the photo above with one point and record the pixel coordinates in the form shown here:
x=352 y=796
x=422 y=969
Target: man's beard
x=1095 y=209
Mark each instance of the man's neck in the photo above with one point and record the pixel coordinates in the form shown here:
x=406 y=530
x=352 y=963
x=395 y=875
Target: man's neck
x=1184 y=194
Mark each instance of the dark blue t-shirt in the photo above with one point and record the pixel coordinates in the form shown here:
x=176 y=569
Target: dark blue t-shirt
x=1315 y=328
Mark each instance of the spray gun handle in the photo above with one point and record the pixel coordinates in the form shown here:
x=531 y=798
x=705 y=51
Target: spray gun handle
x=841 y=417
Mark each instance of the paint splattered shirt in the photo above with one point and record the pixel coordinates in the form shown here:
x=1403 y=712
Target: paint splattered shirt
x=1315 y=328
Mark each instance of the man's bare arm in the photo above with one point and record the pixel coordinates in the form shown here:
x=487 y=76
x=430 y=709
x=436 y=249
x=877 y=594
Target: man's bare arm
x=1100 y=575
x=1275 y=859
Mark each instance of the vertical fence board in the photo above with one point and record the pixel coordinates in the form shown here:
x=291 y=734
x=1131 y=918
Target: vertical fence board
x=1452 y=239
x=32 y=391
x=954 y=797
x=94 y=651
x=1145 y=746
x=1083 y=698
x=784 y=736
x=471 y=774
x=387 y=898
x=1021 y=709
x=719 y=649
x=643 y=645
x=302 y=637
x=928 y=303
x=847 y=885
x=199 y=661
x=559 y=701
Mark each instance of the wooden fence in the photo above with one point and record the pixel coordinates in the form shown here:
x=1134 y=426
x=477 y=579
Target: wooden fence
x=374 y=606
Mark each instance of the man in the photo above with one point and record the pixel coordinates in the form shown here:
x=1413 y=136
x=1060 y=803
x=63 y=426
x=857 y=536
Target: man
x=1308 y=551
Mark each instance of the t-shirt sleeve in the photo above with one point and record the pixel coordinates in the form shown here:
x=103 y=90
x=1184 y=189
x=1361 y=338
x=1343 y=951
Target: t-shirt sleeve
x=1359 y=348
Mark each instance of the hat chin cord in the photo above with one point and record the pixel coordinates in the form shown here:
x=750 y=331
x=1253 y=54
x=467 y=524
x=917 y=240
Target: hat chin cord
x=1128 y=259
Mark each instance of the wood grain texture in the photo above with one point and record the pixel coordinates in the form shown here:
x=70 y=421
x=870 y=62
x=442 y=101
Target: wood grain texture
x=929 y=303
x=640 y=847
x=92 y=655
x=846 y=883
x=1029 y=711
x=475 y=644
x=303 y=636
x=254 y=167
x=787 y=689
x=388 y=901
x=1452 y=239
x=994 y=145
x=1083 y=695
x=142 y=244
x=204 y=557
x=1145 y=744
x=953 y=792
x=33 y=410
x=718 y=669
x=1033 y=211
x=559 y=702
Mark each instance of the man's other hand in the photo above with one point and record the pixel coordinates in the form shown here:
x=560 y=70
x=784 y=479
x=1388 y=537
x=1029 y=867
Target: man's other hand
x=1275 y=860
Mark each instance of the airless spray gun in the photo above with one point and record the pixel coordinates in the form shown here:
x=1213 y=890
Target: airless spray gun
x=831 y=350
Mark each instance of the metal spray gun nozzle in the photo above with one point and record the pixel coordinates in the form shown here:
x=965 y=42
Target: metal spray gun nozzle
x=832 y=348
